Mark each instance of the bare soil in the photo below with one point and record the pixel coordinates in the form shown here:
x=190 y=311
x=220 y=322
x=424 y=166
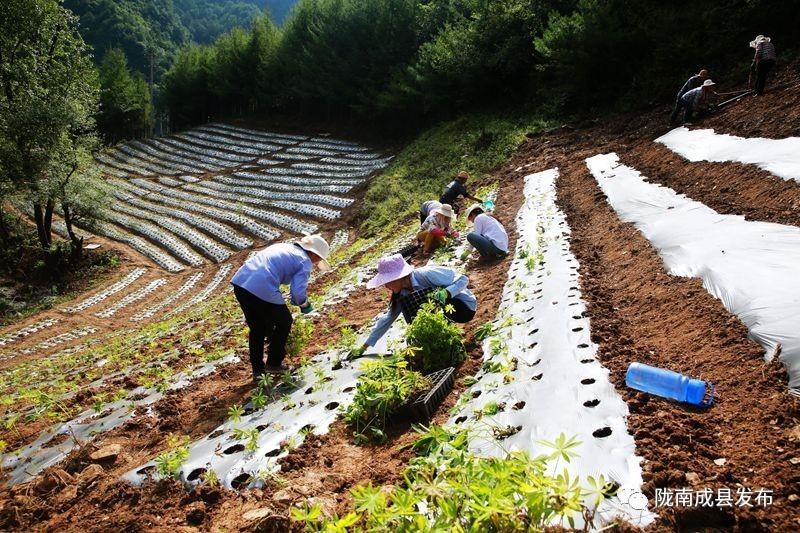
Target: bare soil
x=637 y=311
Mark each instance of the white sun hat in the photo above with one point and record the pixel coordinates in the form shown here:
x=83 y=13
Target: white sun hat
x=446 y=210
x=708 y=83
x=472 y=208
x=319 y=246
x=758 y=40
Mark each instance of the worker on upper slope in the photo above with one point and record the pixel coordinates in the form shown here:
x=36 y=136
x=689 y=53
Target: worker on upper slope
x=257 y=287
x=455 y=189
x=437 y=228
x=697 y=102
x=404 y=282
x=489 y=236
x=763 y=61
x=692 y=83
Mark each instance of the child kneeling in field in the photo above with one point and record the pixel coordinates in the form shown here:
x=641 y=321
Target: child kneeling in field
x=489 y=236
x=437 y=228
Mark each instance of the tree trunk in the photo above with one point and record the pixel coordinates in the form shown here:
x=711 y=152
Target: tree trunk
x=48 y=222
x=5 y=233
x=38 y=215
x=75 y=242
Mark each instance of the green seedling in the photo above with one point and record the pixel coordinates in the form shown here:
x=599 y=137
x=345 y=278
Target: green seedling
x=235 y=413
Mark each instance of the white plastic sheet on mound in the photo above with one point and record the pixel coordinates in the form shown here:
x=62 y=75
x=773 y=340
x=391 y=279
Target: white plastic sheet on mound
x=752 y=267
x=551 y=383
x=778 y=156
x=311 y=405
x=55 y=444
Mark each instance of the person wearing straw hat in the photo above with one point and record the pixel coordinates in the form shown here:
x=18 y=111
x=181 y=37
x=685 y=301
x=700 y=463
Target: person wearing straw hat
x=456 y=189
x=697 y=101
x=257 y=287
x=692 y=83
x=426 y=208
x=488 y=236
x=763 y=61
x=437 y=228
x=401 y=279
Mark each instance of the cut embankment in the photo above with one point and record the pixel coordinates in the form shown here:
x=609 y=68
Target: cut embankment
x=539 y=355
x=640 y=313
x=750 y=266
x=778 y=156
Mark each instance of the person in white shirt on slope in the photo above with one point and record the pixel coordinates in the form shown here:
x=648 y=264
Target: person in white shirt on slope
x=489 y=236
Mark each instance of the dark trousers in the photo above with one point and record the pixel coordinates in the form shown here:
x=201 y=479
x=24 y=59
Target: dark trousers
x=486 y=248
x=762 y=69
x=676 y=110
x=461 y=313
x=266 y=321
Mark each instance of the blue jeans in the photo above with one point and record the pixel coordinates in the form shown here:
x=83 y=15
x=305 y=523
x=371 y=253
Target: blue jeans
x=485 y=246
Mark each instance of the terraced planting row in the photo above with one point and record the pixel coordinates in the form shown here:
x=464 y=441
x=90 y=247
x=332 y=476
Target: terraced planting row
x=193 y=197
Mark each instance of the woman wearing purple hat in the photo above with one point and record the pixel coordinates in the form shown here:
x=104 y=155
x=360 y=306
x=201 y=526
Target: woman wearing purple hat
x=402 y=279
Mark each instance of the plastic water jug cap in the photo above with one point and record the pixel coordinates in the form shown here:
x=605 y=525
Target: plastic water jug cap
x=696 y=392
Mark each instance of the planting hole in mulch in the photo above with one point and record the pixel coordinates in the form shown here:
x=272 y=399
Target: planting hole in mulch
x=591 y=403
x=476 y=393
x=587 y=361
x=240 y=481
x=331 y=406
x=236 y=448
x=461 y=419
x=195 y=474
x=216 y=434
x=273 y=453
x=537 y=377
x=587 y=381
x=602 y=432
x=519 y=405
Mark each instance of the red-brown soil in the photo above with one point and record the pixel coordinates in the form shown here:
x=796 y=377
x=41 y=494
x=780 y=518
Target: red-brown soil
x=637 y=311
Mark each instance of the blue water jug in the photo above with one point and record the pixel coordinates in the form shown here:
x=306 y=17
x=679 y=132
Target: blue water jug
x=669 y=384
x=488 y=205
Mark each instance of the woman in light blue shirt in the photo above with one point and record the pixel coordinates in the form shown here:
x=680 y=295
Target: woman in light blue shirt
x=257 y=287
x=402 y=279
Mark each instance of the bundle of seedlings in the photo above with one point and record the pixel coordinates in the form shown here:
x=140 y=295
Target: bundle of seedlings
x=382 y=390
x=437 y=341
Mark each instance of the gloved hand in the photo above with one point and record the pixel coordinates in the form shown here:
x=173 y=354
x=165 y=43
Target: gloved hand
x=357 y=352
x=307 y=308
x=441 y=295
x=456 y=234
x=437 y=232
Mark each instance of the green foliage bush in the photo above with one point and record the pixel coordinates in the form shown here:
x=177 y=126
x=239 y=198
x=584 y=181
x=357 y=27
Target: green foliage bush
x=438 y=342
x=463 y=492
x=382 y=389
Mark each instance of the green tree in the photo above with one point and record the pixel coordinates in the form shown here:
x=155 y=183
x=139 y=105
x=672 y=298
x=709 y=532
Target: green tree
x=125 y=109
x=47 y=103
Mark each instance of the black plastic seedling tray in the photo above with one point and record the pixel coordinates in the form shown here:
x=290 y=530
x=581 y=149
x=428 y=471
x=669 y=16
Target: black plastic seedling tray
x=421 y=409
x=408 y=251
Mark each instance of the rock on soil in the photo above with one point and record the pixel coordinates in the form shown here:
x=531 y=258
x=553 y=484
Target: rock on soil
x=107 y=454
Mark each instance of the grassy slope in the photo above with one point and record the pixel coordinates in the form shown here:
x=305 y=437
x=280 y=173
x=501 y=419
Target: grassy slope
x=475 y=143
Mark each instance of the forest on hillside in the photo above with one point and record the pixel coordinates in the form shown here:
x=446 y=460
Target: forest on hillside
x=161 y=27
x=400 y=64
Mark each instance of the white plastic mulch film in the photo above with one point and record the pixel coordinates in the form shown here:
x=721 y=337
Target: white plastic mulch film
x=55 y=444
x=752 y=267
x=244 y=452
x=540 y=377
x=778 y=156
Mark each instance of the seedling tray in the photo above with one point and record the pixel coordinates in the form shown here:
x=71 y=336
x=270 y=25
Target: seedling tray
x=422 y=409
x=408 y=251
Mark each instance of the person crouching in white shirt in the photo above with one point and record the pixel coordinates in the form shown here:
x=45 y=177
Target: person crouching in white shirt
x=489 y=236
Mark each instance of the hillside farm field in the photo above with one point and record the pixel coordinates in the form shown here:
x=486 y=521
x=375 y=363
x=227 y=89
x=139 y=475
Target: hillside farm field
x=132 y=407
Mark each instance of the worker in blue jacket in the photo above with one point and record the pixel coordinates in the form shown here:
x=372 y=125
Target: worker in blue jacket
x=256 y=286
x=401 y=279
